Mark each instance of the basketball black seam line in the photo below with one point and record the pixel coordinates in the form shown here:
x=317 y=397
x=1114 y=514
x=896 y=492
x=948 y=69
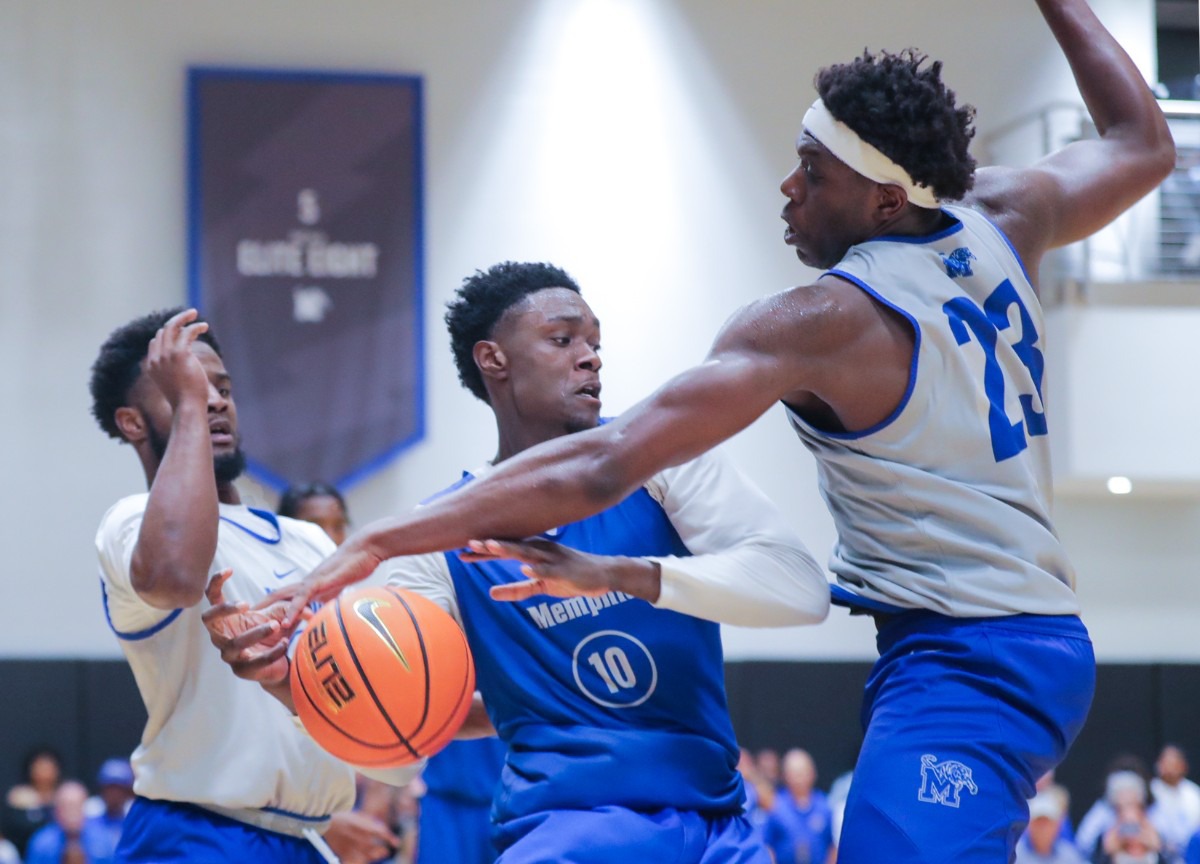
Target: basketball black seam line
x=424 y=658
x=468 y=692
x=371 y=690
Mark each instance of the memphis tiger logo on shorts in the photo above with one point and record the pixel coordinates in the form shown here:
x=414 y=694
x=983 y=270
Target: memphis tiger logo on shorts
x=943 y=782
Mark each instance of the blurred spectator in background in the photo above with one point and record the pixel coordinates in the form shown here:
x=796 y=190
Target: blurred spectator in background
x=69 y=836
x=106 y=810
x=397 y=808
x=1176 y=812
x=1131 y=839
x=1127 y=777
x=768 y=766
x=1043 y=842
x=800 y=827
x=320 y=504
x=30 y=804
x=760 y=795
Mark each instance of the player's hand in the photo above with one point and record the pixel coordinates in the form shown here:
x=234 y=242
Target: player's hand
x=254 y=643
x=556 y=570
x=289 y=604
x=357 y=838
x=171 y=364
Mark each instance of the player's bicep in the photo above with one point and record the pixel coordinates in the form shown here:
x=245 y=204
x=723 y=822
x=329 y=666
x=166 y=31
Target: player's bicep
x=1066 y=196
x=699 y=408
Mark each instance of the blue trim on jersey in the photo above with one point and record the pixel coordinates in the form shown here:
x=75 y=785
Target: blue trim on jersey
x=1008 y=243
x=924 y=238
x=262 y=514
x=281 y=812
x=912 y=369
x=137 y=635
x=840 y=596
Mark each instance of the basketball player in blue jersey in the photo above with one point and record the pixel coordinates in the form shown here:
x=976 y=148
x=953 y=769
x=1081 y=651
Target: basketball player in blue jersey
x=913 y=370
x=613 y=710
x=222 y=773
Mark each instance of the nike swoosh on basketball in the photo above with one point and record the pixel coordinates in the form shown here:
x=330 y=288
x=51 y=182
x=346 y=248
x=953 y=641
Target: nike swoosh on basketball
x=284 y=574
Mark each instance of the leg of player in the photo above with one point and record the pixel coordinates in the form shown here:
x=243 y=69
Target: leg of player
x=962 y=717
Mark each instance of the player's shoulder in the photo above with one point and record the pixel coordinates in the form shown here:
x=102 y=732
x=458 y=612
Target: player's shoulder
x=129 y=508
x=308 y=533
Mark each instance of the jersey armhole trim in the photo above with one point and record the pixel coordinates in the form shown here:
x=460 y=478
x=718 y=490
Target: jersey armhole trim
x=912 y=368
x=136 y=635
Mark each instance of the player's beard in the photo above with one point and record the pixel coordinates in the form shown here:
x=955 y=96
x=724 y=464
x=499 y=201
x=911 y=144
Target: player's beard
x=226 y=468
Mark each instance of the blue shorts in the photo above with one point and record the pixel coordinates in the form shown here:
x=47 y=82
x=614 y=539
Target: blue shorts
x=962 y=716
x=614 y=834
x=457 y=831
x=159 y=832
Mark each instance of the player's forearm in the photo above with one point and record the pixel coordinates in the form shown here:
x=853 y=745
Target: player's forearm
x=1117 y=96
x=178 y=536
x=558 y=482
x=756 y=585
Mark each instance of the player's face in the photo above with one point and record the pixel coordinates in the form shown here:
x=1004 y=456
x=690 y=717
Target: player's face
x=828 y=205
x=326 y=511
x=228 y=460
x=552 y=342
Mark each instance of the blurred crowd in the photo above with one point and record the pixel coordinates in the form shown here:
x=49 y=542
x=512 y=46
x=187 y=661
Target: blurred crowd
x=1142 y=817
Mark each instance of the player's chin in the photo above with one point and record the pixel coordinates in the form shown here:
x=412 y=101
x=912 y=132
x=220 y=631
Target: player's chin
x=581 y=421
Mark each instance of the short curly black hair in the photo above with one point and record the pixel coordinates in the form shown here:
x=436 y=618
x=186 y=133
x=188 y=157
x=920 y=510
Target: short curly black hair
x=118 y=365
x=482 y=301
x=908 y=114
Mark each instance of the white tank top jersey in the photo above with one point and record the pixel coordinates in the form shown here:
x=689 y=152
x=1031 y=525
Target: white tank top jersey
x=213 y=739
x=945 y=504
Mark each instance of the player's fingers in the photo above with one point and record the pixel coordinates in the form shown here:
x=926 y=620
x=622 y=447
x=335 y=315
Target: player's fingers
x=193 y=331
x=222 y=610
x=179 y=320
x=254 y=635
x=491 y=550
x=215 y=584
x=513 y=591
x=247 y=665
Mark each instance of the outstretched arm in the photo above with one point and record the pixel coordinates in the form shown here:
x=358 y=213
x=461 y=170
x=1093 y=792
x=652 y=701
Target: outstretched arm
x=753 y=364
x=1077 y=190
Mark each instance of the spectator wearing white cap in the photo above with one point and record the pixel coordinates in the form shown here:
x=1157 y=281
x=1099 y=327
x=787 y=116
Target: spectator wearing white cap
x=1125 y=782
x=1042 y=842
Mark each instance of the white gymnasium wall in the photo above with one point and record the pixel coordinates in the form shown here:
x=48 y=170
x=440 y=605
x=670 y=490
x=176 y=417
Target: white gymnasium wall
x=639 y=143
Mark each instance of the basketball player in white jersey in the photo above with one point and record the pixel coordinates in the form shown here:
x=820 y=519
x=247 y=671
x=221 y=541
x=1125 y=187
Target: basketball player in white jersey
x=913 y=370
x=222 y=772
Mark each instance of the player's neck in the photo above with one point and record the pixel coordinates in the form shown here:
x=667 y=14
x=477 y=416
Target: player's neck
x=511 y=441
x=227 y=493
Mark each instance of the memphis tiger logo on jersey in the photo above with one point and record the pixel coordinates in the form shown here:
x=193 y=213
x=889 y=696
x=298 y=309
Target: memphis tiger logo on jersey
x=943 y=782
x=547 y=615
x=958 y=262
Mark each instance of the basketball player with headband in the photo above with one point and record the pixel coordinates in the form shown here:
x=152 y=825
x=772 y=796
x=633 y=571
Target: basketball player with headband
x=912 y=369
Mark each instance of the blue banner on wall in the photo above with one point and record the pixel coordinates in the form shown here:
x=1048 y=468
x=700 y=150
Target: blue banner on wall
x=305 y=253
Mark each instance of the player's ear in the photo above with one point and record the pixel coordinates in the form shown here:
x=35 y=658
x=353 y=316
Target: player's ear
x=131 y=423
x=490 y=359
x=889 y=201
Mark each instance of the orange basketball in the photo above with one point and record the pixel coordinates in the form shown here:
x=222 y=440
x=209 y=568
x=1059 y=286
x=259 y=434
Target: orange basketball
x=382 y=677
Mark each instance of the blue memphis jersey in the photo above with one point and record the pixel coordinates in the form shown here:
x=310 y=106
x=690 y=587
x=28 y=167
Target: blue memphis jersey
x=466 y=771
x=602 y=700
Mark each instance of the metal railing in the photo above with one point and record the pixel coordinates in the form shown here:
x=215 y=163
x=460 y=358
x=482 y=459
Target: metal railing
x=1157 y=242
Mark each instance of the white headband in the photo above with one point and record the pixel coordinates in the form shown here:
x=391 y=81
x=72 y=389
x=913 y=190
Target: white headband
x=844 y=143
